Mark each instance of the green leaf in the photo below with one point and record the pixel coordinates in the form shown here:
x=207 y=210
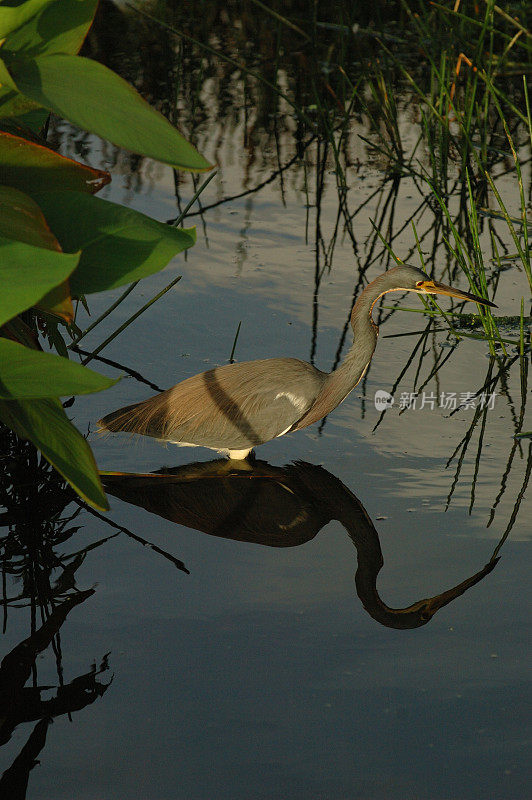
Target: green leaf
x=13 y=104
x=45 y=423
x=30 y=273
x=17 y=13
x=33 y=119
x=32 y=373
x=22 y=219
x=32 y=167
x=94 y=98
x=46 y=26
x=118 y=245
x=58 y=27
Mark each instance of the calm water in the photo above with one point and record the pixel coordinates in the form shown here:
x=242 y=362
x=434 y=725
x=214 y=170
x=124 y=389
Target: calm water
x=262 y=649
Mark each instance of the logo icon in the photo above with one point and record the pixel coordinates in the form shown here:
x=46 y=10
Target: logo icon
x=383 y=400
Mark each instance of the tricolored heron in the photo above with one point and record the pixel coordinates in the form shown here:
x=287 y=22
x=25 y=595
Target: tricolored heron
x=236 y=407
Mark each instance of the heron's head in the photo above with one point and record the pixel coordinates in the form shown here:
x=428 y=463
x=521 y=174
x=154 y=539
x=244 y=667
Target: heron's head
x=415 y=280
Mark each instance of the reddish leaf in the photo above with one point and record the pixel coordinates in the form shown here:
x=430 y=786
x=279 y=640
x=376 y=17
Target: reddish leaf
x=32 y=167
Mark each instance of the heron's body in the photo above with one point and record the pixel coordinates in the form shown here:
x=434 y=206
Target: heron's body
x=235 y=407
x=230 y=408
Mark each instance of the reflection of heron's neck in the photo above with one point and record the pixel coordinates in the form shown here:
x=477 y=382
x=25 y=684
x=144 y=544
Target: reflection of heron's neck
x=361 y=530
x=330 y=494
x=362 y=533
x=412 y=616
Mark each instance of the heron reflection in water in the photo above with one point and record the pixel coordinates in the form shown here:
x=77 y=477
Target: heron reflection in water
x=236 y=407
x=277 y=507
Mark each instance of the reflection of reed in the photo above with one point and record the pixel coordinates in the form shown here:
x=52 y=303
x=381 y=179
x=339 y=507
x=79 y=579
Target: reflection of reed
x=21 y=704
x=34 y=506
x=276 y=507
x=494 y=382
x=491 y=383
x=34 y=499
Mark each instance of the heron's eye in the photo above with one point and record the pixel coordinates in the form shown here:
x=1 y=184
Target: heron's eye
x=419 y=284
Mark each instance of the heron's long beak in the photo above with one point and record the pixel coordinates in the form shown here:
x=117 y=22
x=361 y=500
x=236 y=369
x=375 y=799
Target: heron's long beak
x=433 y=287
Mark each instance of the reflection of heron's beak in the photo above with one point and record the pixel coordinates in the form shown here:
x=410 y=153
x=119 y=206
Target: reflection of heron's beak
x=434 y=604
x=433 y=287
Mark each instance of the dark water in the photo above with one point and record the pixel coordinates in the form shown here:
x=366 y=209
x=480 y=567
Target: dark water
x=337 y=622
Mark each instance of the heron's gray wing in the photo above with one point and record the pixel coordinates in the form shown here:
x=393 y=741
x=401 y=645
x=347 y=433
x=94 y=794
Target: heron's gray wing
x=233 y=407
x=241 y=405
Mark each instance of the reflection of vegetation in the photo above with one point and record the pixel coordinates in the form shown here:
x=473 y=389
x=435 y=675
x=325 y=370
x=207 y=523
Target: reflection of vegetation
x=277 y=507
x=34 y=499
x=480 y=420
x=20 y=704
x=496 y=384
x=58 y=241
x=39 y=579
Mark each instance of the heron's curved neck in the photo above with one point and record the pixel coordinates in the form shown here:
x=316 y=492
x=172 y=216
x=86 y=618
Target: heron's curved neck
x=337 y=385
x=361 y=319
x=365 y=333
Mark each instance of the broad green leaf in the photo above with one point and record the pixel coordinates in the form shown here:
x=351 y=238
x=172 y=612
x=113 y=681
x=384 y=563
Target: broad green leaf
x=94 y=98
x=5 y=77
x=33 y=119
x=12 y=104
x=22 y=219
x=17 y=12
x=118 y=245
x=59 y=27
x=30 y=273
x=32 y=373
x=32 y=167
x=45 y=423
x=53 y=26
